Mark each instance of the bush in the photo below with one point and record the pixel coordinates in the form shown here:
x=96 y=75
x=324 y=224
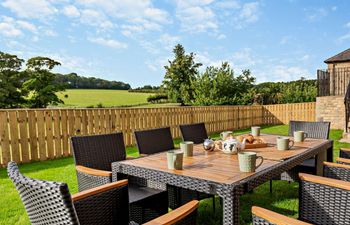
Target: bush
x=157 y=98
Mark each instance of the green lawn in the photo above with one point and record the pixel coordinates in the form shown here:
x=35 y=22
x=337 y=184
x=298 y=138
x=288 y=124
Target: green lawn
x=283 y=200
x=92 y=97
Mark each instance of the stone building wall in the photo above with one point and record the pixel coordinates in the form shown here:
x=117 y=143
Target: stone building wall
x=332 y=109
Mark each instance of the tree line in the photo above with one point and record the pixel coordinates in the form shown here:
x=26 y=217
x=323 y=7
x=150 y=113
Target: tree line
x=219 y=85
x=73 y=80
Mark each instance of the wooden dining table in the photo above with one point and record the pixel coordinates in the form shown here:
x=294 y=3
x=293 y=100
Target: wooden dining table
x=218 y=173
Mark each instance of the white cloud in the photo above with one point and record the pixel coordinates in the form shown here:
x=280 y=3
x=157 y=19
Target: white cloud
x=196 y=16
x=347 y=25
x=71 y=11
x=305 y=57
x=168 y=41
x=334 y=8
x=134 y=13
x=228 y=4
x=30 y=9
x=283 y=73
x=108 y=42
x=9 y=30
x=13 y=28
x=96 y=18
x=317 y=14
x=249 y=13
x=343 y=38
x=26 y=25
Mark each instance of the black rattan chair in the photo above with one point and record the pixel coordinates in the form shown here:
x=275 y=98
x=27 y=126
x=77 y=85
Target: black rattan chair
x=93 y=156
x=344 y=153
x=339 y=171
x=321 y=201
x=194 y=132
x=49 y=202
x=154 y=140
x=317 y=130
x=160 y=140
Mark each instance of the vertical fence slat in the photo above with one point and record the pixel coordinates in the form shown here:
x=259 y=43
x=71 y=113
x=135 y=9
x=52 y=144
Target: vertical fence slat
x=4 y=138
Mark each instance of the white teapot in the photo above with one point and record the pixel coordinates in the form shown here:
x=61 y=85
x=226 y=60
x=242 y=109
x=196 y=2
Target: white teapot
x=232 y=146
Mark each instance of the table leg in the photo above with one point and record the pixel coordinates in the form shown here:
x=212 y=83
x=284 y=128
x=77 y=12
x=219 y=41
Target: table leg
x=320 y=158
x=231 y=209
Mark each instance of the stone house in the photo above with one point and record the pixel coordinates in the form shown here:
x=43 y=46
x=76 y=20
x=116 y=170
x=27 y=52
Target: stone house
x=332 y=85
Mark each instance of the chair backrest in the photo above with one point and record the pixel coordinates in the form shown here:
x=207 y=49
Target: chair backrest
x=318 y=130
x=154 y=140
x=98 y=151
x=194 y=132
x=45 y=202
x=51 y=203
x=323 y=204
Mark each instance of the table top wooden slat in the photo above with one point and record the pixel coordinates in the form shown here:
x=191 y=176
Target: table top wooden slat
x=220 y=167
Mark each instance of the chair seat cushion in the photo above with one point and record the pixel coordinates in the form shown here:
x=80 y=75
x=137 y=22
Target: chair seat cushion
x=309 y=163
x=138 y=193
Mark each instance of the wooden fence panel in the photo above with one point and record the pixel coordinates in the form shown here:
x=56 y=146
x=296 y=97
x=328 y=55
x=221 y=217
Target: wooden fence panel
x=30 y=134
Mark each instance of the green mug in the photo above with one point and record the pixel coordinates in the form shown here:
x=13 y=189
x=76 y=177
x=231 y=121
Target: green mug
x=187 y=148
x=299 y=136
x=247 y=161
x=256 y=131
x=175 y=160
x=283 y=143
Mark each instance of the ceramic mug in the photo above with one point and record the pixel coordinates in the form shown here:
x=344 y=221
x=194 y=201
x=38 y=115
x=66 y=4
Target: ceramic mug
x=300 y=136
x=175 y=160
x=256 y=131
x=247 y=161
x=224 y=135
x=284 y=143
x=187 y=148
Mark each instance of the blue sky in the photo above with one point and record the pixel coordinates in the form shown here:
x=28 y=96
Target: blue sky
x=131 y=40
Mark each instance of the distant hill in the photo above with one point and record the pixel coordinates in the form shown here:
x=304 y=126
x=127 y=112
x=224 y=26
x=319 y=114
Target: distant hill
x=74 y=81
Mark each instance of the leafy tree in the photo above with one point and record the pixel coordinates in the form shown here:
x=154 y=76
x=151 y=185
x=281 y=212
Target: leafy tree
x=40 y=84
x=11 y=80
x=219 y=86
x=180 y=73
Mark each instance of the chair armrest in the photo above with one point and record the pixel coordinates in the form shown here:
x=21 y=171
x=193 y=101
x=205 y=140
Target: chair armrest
x=345 y=149
x=94 y=172
x=175 y=215
x=275 y=218
x=331 y=164
x=345 y=185
x=98 y=190
x=343 y=160
x=130 y=157
x=143 y=154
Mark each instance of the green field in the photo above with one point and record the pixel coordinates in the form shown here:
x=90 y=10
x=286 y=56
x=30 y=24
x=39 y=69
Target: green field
x=284 y=198
x=108 y=98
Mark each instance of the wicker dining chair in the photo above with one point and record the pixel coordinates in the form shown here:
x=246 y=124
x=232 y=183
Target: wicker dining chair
x=344 y=153
x=48 y=202
x=317 y=130
x=194 y=132
x=93 y=156
x=339 y=170
x=160 y=140
x=322 y=200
